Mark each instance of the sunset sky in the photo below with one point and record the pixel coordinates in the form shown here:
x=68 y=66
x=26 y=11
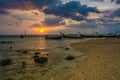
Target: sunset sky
x=54 y=16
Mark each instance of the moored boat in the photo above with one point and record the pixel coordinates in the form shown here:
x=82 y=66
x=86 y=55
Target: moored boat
x=53 y=37
x=73 y=36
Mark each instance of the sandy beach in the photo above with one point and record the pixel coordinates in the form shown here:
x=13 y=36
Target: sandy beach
x=101 y=62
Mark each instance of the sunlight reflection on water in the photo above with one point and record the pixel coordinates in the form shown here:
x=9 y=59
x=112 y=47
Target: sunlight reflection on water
x=42 y=46
x=55 y=49
x=42 y=43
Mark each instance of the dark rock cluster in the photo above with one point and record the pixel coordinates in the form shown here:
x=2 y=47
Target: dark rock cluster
x=5 y=62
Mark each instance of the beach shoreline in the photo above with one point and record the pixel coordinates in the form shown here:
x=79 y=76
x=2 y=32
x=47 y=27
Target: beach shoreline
x=102 y=60
x=94 y=59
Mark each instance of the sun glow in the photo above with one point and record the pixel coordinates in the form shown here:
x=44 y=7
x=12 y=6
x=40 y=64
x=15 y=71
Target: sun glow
x=42 y=30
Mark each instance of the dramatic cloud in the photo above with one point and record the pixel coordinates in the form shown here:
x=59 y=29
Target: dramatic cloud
x=59 y=15
x=27 y=4
x=24 y=17
x=84 y=25
x=36 y=25
x=116 y=13
x=53 y=21
x=4 y=12
x=107 y=23
x=97 y=0
x=73 y=10
x=118 y=1
x=45 y=3
x=16 y=4
x=49 y=22
x=111 y=25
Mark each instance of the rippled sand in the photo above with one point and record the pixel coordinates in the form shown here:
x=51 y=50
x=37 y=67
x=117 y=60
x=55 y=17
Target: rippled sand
x=102 y=60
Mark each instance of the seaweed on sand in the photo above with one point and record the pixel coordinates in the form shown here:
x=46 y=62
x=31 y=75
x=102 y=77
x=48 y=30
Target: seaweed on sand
x=70 y=57
x=5 y=62
x=38 y=59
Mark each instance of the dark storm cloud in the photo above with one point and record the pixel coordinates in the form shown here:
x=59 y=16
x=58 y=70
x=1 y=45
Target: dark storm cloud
x=98 y=0
x=70 y=10
x=118 y=1
x=49 y=22
x=53 y=21
x=107 y=23
x=27 y=4
x=4 y=12
x=45 y=3
x=88 y=25
x=54 y=7
x=16 y=4
x=110 y=23
x=116 y=13
x=84 y=25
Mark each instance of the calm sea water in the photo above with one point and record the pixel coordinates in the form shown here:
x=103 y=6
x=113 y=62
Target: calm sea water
x=32 y=44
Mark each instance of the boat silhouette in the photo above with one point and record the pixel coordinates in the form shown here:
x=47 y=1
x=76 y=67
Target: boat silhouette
x=53 y=37
x=23 y=35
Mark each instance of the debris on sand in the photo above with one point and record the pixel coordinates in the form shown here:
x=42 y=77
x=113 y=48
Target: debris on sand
x=37 y=53
x=10 y=48
x=2 y=42
x=24 y=51
x=67 y=48
x=43 y=59
x=5 y=62
x=70 y=57
x=38 y=59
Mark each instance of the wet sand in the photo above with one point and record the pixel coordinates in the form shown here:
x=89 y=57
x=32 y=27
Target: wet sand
x=101 y=62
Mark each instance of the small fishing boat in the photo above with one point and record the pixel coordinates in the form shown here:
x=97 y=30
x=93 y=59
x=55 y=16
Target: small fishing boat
x=73 y=36
x=24 y=35
x=21 y=36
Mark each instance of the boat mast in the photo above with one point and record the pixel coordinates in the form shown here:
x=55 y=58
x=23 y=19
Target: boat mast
x=25 y=33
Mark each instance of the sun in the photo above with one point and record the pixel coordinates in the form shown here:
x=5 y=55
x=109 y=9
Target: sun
x=42 y=30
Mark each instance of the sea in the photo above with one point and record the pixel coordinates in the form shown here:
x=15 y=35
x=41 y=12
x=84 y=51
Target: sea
x=23 y=49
